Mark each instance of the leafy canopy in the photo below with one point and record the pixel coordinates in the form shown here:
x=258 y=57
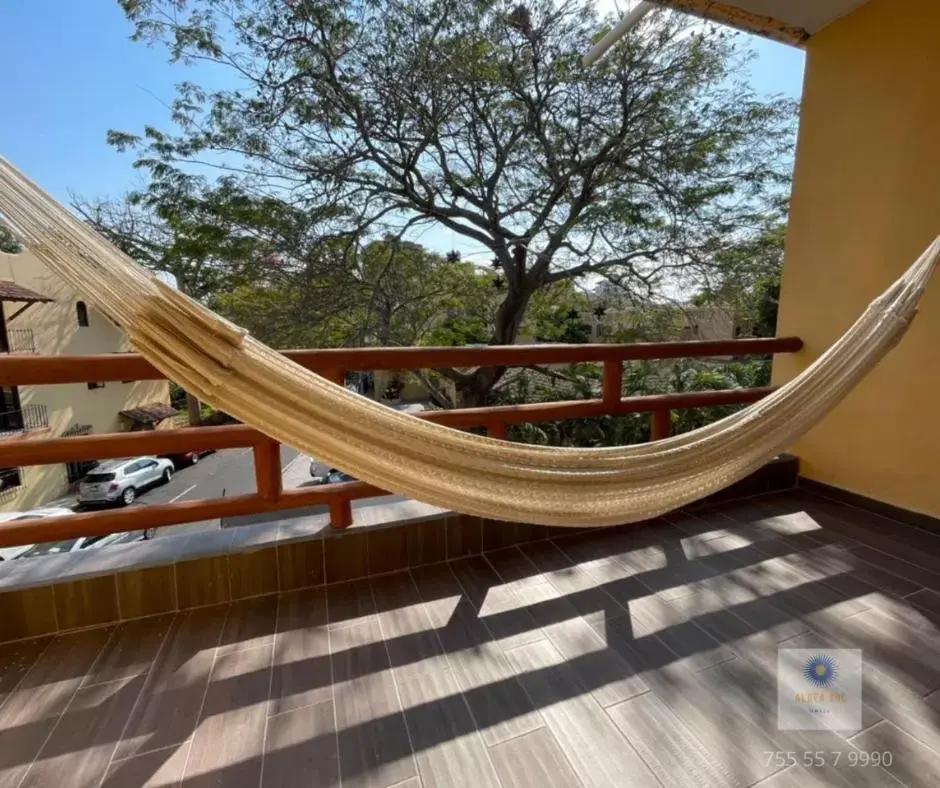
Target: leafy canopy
x=352 y=119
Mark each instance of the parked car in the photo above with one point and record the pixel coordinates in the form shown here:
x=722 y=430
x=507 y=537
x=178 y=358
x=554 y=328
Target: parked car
x=9 y=553
x=332 y=476
x=187 y=457
x=121 y=481
x=82 y=543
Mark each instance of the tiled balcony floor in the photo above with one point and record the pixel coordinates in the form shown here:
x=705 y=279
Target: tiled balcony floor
x=641 y=657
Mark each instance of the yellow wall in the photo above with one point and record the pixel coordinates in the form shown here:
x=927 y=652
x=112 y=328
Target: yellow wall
x=56 y=332
x=866 y=203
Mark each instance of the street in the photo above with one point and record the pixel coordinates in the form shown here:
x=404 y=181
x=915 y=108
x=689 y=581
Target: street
x=222 y=474
x=231 y=472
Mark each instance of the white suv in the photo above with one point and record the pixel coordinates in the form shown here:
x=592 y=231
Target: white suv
x=120 y=481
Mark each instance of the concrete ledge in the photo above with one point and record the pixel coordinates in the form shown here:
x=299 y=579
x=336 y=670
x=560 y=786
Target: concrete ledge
x=50 y=594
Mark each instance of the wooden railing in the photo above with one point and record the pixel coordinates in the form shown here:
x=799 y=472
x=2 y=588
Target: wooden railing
x=334 y=364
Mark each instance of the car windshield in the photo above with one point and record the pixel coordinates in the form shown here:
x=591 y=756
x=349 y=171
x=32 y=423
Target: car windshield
x=99 y=477
x=49 y=548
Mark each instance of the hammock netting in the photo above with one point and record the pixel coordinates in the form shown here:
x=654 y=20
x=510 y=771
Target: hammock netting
x=223 y=366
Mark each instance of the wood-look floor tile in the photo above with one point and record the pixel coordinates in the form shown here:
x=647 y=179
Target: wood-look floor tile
x=912 y=763
x=27 y=613
x=15 y=661
x=795 y=777
x=79 y=750
x=670 y=749
x=349 y=603
x=498 y=703
x=157 y=769
x=729 y=734
x=691 y=643
x=250 y=623
x=373 y=740
x=514 y=568
x=300 y=748
x=146 y=592
x=131 y=650
x=599 y=753
x=346 y=555
x=898 y=576
x=172 y=697
x=301 y=673
x=86 y=603
x=412 y=644
x=32 y=710
x=902 y=652
x=610 y=678
x=534 y=760
x=751 y=691
x=447 y=745
x=707 y=611
x=229 y=741
x=591 y=600
x=927 y=603
x=503 y=612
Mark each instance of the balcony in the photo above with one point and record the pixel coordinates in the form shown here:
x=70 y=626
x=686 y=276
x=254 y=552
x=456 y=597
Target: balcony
x=19 y=340
x=443 y=649
x=24 y=419
x=639 y=656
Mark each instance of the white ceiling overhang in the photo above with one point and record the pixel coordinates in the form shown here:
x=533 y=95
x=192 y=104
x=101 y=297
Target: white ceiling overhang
x=790 y=21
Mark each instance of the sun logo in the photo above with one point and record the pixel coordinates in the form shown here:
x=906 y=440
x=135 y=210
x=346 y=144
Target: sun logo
x=821 y=671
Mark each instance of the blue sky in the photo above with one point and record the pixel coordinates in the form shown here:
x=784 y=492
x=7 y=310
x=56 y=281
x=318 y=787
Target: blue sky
x=71 y=73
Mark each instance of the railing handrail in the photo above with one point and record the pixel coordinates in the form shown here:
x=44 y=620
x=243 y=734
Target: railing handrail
x=50 y=370
x=124 y=444
x=333 y=364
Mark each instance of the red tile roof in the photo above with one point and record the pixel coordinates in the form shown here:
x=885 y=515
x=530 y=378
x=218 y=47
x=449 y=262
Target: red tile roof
x=153 y=413
x=11 y=291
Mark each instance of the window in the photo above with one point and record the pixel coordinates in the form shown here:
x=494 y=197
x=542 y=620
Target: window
x=97 y=478
x=93 y=386
x=9 y=478
x=81 y=312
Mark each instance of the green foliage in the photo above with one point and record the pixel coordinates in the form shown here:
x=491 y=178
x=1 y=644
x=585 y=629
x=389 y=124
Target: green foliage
x=747 y=280
x=640 y=379
x=8 y=243
x=554 y=315
x=347 y=121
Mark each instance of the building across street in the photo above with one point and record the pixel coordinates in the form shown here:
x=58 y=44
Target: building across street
x=40 y=314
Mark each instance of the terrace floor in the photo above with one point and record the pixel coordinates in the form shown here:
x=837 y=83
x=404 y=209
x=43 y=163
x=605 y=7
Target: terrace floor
x=633 y=657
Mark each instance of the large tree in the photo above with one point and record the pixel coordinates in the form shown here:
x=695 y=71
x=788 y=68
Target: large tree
x=479 y=117
x=8 y=243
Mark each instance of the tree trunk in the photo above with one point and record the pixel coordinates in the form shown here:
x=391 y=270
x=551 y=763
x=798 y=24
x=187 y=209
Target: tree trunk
x=194 y=408
x=473 y=391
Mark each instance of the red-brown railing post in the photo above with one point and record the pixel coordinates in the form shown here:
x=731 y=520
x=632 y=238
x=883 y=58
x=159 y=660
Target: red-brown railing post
x=660 y=424
x=340 y=513
x=497 y=429
x=17 y=370
x=268 y=472
x=613 y=382
x=337 y=376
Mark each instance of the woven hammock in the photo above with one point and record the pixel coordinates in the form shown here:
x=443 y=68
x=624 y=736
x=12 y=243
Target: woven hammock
x=223 y=366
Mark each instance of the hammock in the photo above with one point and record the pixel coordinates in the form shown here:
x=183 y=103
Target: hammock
x=223 y=366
